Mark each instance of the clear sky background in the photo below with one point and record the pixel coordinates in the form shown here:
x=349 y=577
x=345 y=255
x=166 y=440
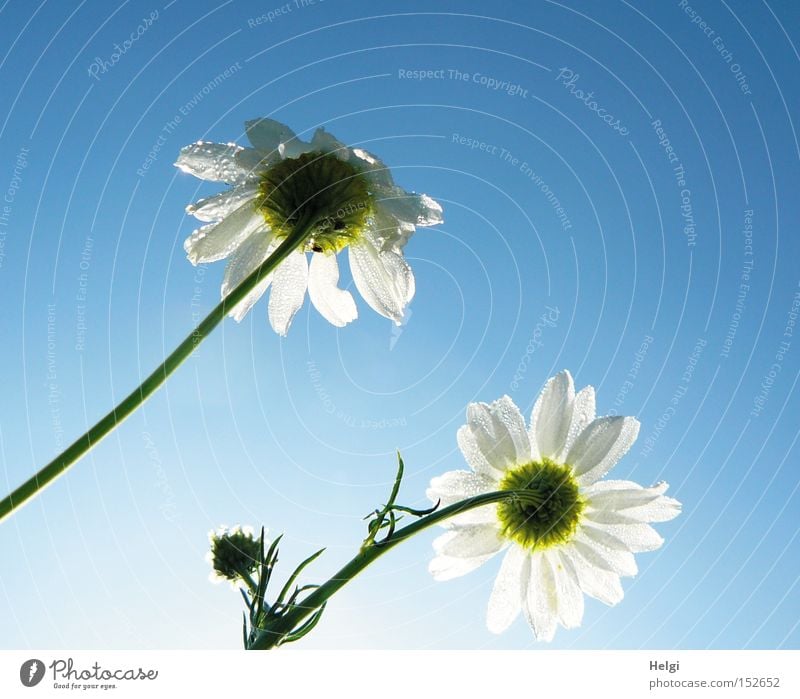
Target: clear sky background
x=299 y=433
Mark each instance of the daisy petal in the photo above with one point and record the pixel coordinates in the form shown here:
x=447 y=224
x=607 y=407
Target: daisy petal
x=417 y=209
x=470 y=541
x=499 y=431
x=220 y=205
x=454 y=486
x=539 y=603
x=632 y=501
x=592 y=548
x=218 y=240
x=383 y=278
x=328 y=143
x=243 y=307
x=374 y=168
x=505 y=601
x=662 y=509
x=389 y=233
x=552 y=416
x=294 y=148
x=475 y=457
x=637 y=537
x=619 y=494
x=289 y=284
x=595 y=582
x=243 y=262
x=254 y=162
x=267 y=134
x=603 y=538
x=583 y=412
x=604 y=442
x=462 y=550
x=569 y=596
x=215 y=162
x=607 y=516
x=336 y=305
x=446 y=568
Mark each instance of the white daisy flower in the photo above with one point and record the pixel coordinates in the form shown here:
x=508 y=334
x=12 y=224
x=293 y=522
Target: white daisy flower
x=344 y=197
x=569 y=532
x=235 y=553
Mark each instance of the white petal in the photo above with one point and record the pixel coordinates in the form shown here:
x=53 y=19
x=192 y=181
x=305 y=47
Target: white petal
x=373 y=167
x=552 y=415
x=328 y=143
x=254 y=162
x=243 y=262
x=267 y=134
x=569 y=597
x=470 y=541
x=604 y=442
x=243 y=307
x=383 y=278
x=505 y=601
x=220 y=205
x=249 y=255
x=289 y=284
x=336 y=305
x=218 y=240
x=446 y=568
x=499 y=431
x=662 y=509
x=602 y=537
x=474 y=546
x=389 y=233
x=607 y=516
x=619 y=494
x=583 y=412
x=595 y=550
x=475 y=457
x=454 y=486
x=216 y=162
x=540 y=604
x=416 y=209
x=595 y=582
x=636 y=537
x=632 y=501
x=294 y=148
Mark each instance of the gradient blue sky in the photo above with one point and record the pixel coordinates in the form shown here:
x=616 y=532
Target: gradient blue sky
x=299 y=433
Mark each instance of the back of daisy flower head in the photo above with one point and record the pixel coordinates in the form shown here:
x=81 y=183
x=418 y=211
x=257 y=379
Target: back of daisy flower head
x=340 y=197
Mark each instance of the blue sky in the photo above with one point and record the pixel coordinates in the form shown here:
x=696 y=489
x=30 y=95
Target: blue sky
x=573 y=238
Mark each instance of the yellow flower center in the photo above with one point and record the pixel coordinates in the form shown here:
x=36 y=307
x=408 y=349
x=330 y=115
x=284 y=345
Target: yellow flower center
x=547 y=510
x=321 y=190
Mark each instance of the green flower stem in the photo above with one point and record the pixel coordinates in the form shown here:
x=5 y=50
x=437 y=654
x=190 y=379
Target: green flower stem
x=85 y=442
x=271 y=635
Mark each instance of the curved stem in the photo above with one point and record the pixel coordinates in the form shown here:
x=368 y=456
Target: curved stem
x=130 y=403
x=271 y=635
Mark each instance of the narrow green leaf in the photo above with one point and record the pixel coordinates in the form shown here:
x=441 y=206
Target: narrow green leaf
x=301 y=631
x=418 y=513
x=294 y=576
